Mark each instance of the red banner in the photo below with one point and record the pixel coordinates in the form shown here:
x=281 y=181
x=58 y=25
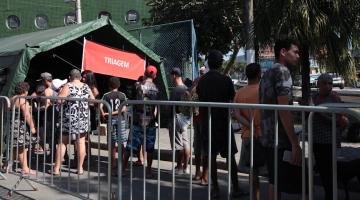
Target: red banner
x=108 y=61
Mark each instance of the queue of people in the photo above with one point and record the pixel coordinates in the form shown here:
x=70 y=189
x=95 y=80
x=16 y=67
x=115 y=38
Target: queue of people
x=274 y=87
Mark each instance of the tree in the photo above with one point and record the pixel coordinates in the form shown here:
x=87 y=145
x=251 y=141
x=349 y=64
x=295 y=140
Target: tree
x=325 y=27
x=217 y=23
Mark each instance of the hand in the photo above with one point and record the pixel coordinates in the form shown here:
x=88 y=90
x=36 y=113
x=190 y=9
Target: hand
x=296 y=154
x=343 y=122
x=33 y=131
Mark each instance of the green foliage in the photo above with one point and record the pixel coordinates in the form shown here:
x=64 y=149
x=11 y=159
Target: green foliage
x=217 y=23
x=328 y=27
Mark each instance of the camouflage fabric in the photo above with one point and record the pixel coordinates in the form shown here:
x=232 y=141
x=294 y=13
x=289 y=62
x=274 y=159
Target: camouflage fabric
x=275 y=82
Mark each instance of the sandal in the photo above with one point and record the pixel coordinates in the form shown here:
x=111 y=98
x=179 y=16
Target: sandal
x=38 y=150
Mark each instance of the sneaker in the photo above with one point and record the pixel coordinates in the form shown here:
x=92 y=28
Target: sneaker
x=187 y=171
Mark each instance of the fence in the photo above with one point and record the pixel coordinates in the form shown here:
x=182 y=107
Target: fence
x=102 y=177
x=56 y=121
x=229 y=106
x=4 y=128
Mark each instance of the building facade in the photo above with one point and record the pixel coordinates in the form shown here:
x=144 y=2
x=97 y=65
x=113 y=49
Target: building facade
x=23 y=16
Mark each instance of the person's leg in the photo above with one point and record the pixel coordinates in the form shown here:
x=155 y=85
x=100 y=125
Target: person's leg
x=214 y=177
x=234 y=177
x=113 y=156
x=256 y=184
x=186 y=148
x=80 y=143
x=22 y=157
x=60 y=151
x=323 y=158
x=179 y=157
x=205 y=172
x=134 y=142
x=186 y=159
x=197 y=151
x=150 y=146
x=140 y=160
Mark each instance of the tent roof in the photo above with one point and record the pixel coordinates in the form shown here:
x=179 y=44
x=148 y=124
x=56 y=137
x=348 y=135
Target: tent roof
x=47 y=39
x=16 y=52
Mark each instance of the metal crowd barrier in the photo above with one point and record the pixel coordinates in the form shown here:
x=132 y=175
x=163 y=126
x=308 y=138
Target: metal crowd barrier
x=304 y=110
x=49 y=124
x=103 y=180
x=4 y=131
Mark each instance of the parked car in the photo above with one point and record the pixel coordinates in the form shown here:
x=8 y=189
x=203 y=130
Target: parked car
x=338 y=81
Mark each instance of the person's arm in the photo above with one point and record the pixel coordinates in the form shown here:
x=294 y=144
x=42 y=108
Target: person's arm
x=48 y=93
x=63 y=93
x=25 y=109
x=238 y=114
x=283 y=87
x=286 y=119
x=240 y=118
x=95 y=92
x=102 y=112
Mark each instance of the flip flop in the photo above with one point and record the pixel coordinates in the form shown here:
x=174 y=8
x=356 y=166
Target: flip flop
x=197 y=178
x=138 y=164
x=203 y=182
x=53 y=173
x=28 y=173
x=80 y=172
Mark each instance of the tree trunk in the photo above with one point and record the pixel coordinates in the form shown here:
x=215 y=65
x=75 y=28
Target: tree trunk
x=305 y=74
x=232 y=59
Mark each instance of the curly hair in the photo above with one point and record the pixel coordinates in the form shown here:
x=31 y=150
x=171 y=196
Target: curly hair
x=21 y=88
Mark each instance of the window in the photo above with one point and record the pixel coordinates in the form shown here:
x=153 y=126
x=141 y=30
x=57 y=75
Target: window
x=12 y=22
x=132 y=17
x=41 y=21
x=104 y=14
x=70 y=18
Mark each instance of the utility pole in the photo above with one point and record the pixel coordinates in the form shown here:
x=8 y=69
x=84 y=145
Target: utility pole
x=78 y=11
x=250 y=51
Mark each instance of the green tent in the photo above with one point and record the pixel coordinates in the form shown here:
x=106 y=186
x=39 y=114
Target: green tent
x=58 y=50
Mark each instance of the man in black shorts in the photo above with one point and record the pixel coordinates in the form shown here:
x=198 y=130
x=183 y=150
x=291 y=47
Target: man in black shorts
x=216 y=87
x=276 y=88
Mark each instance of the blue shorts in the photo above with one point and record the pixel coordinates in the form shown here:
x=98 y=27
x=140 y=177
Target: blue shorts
x=114 y=131
x=137 y=139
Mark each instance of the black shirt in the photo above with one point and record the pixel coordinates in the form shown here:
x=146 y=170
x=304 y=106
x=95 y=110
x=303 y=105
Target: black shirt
x=216 y=87
x=114 y=98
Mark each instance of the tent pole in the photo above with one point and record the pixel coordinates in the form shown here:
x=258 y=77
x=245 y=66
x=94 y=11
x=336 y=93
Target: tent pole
x=67 y=62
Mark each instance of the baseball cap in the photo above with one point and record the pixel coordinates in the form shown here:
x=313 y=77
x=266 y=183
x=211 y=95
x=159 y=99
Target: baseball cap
x=151 y=71
x=57 y=83
x=45 y=76
x=176 y=71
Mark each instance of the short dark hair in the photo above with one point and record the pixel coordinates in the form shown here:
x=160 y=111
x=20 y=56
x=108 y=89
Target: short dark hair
x=252 y=71
x=215 y=59
x=114 y=82
x=176 y=71
x=284 y=43
x=21 y=88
